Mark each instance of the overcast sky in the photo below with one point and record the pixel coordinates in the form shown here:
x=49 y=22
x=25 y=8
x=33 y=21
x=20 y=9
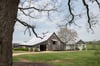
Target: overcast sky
x=43 y=24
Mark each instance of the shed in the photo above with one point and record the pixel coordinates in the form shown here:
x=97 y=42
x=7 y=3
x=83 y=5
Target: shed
x=81 y=45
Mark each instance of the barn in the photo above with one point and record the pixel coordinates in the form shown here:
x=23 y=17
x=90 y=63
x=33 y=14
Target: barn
x=49 y=42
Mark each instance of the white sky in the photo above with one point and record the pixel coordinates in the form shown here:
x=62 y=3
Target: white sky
x=43 y=24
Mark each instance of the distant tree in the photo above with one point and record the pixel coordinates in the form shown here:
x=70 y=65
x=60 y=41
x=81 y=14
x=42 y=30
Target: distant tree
x=67 y=35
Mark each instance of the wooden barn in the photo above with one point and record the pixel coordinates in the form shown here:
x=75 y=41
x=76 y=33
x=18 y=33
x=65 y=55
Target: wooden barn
x=50 y=42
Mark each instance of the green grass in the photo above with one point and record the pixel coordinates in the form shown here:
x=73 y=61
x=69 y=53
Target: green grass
x=80 y=58
x=19 y=51
x=93 y=46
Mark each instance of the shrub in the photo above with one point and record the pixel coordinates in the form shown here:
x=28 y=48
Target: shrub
x=20 y=49
x=77 y=48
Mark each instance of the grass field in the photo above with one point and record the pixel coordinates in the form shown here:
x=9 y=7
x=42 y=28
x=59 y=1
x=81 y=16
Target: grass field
x=79 y=58
x=93 y=46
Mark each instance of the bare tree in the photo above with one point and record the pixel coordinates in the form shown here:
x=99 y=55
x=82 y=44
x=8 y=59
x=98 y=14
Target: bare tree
x=67 y=35
x=8 y=18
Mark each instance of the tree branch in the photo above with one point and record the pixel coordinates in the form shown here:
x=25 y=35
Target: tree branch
x=70 y=10
x=28 y=26
x=37 y=9
x=88 y=15
x=98 y=3
x=26 y=14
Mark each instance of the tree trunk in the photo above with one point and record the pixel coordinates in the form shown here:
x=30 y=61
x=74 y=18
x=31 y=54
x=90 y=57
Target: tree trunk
x=8 y=14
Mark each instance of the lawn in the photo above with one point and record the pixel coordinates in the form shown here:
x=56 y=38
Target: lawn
x=78 y=58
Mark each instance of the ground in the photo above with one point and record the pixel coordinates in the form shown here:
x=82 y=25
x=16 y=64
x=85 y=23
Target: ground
x=61 y=58
x=30 y=64
x=25 y=62
x=22 y=53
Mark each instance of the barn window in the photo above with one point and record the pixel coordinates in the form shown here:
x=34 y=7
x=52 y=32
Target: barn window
x=54 y=42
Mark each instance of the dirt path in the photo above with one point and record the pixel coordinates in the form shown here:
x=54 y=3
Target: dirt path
x=16 y=54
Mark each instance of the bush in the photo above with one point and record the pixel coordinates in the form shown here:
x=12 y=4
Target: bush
x=77 y=48
x=20 y=49
x=84 y=49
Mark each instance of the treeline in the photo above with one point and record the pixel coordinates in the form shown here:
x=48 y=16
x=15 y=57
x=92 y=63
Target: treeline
x=93 y=45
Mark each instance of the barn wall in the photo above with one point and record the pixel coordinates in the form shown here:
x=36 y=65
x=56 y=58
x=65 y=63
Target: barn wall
x=81 y=46
x=70 y=47
x=57 y=46
x=50 y=46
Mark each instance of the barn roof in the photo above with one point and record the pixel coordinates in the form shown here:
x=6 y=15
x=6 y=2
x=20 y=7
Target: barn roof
x=80 y=41
x=35 y=40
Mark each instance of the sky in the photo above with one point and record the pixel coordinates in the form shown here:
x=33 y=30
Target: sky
x=49 y=24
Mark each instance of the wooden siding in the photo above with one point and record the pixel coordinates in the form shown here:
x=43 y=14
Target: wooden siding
x=58 y=44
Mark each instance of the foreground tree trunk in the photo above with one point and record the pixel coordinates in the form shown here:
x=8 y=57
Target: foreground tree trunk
x=8 y=13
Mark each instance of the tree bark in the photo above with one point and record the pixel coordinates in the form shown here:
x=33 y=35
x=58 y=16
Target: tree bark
x=8 y=14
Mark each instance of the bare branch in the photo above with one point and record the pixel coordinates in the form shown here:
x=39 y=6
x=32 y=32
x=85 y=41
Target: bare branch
x=88 y=15
x=26 y=14
x=70 y=10
x=98 y=3
x=39 y=10
x=29 y=26
x=25 y=30
x=55 y=9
